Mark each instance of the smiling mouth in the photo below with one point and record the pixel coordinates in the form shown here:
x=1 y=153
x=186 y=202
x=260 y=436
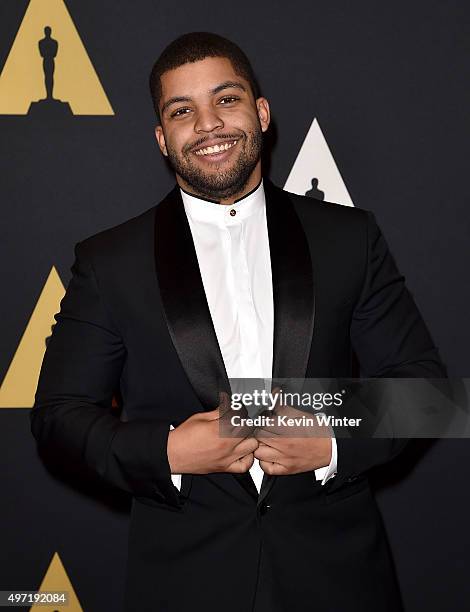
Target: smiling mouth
x=215 y=149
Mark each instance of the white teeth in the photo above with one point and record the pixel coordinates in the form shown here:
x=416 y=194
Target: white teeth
x=216 y=148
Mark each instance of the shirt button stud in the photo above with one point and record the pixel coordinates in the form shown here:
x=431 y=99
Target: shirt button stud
x=233 y=212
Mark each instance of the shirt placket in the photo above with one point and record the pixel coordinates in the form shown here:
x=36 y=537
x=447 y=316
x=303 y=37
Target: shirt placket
x=250 y=360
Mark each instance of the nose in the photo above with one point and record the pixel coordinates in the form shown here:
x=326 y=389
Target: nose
x=207 y=120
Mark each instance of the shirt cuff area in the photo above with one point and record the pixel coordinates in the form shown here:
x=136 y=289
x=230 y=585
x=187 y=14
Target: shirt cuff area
x=327 y=472
x=176 y=478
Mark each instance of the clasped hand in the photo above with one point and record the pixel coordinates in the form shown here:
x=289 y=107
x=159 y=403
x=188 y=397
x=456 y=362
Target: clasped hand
x=196 y=447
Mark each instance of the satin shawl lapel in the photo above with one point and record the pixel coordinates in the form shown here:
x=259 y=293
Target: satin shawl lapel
x=186 y=310
x=293 y=293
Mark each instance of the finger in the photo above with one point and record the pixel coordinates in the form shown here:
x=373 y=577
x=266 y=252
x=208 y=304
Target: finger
x=234 y=423
x=273 y=469
x=267 y=453
x=210 y=415
x=241 y=465
x=267 y=431
x=242 y=431
x=245 y=446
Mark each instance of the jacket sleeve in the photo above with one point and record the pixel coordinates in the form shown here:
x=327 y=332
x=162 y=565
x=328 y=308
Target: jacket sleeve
x=390 y=340
x=72 y=418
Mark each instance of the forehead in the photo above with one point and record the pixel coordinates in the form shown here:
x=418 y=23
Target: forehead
x=196 y=78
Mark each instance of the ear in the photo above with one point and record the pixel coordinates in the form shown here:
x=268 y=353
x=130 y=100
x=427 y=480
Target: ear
x=160 y=136
x=264 y=114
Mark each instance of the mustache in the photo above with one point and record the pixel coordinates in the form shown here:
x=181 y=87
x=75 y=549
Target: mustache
x=198 y=143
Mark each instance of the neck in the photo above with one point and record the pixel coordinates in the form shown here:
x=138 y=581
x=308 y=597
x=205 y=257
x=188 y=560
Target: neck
x=252 y=182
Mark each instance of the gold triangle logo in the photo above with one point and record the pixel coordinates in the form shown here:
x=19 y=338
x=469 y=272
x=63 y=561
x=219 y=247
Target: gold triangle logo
x=56 y=579
x=20 y=382
x=48 y=70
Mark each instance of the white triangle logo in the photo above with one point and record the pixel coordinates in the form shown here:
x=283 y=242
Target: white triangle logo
x=315 y=172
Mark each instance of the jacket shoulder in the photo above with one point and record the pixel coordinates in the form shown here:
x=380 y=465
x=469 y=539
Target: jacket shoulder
x=324 y=220
x=327 y=211
x=120 y=239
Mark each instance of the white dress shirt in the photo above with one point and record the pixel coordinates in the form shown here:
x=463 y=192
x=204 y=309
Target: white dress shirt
x=232 y=249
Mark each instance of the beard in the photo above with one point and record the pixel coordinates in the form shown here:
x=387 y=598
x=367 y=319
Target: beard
x=219 y=183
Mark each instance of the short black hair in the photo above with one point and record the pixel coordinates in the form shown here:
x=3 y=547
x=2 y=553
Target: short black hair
x=193 y=47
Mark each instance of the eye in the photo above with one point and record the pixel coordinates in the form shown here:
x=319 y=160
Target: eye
x=229 y=99
x=179 y=112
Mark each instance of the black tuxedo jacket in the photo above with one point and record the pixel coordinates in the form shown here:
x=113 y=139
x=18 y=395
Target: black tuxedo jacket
x=135 y=321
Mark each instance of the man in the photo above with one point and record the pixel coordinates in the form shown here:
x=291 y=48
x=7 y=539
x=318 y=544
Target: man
x=230 y=276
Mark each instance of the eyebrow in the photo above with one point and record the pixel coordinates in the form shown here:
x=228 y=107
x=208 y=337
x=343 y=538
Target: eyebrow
x=215 y=90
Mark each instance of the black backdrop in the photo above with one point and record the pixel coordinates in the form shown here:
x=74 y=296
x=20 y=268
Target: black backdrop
x=388 y=83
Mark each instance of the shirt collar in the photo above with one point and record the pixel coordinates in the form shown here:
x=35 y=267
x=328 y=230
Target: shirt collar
x=209 y=211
